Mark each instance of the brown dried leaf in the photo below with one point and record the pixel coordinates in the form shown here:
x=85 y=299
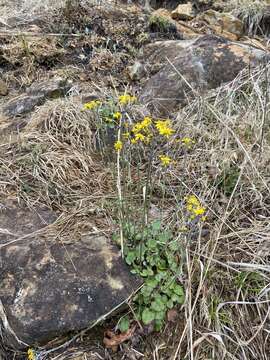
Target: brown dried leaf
x=112 y=340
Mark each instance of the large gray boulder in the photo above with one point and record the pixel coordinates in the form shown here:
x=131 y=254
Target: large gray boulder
x=36 y=95
x=50 y=286
x=190 y=68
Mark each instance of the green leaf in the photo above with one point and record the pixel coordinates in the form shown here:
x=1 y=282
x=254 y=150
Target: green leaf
x=160 y=315
x=146 y=291
x=170 y=304
x=174 y=246
x=160 y=275
x=152 y=283
x=152 y=244
x=147 y=316
x=124 y=324
x=156 y=225
x=147 y=272
x=158 y=305
x=158 y=325
x=165 y=236
x=177 y=299
x=178 y=290
x=131 y=257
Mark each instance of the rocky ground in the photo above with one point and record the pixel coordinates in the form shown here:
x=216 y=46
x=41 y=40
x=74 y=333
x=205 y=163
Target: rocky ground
x=64 y=285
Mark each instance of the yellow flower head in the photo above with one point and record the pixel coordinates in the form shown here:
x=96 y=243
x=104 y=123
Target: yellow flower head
x=147 y=121
x=126 y=135
x=188 y=141
x=165 y=160
x=195 y=208
x=117 y=116
x=133 y=141
x=164 y=128
x=126 y=99
x=139 y=137
x=31 y=355
x=92 y=105
x=118 y=145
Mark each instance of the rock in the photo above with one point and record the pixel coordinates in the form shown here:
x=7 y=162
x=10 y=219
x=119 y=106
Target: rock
x=182 y=28
x=223 y=24
x=23 y=105
x=90 y=97
x=136 y=71
x=160 y=22
x=159 y=51
x=183 y=12
x=36 y=95
x=199 y=66
x=3 y=88
x=51 y=287
x=50 y=89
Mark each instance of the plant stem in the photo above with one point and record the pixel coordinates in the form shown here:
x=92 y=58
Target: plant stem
x=119 y=188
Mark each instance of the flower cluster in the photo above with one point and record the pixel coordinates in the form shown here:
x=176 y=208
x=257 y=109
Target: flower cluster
x=118 y=145
x=141 y=131
x=187 y=141
x=144 y=132
x=195 y=208
x=164 y=128
x=31 y=355
x=126 y=99
x=165 y=160
x=92 y=105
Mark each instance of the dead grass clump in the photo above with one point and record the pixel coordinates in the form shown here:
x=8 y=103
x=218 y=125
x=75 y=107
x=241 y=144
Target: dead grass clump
x=54 y=160
x=227 y=304
x=255 y=15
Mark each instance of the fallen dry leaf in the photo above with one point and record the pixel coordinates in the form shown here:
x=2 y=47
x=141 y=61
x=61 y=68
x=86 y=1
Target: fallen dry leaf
x=112 y=340
x=172 y=315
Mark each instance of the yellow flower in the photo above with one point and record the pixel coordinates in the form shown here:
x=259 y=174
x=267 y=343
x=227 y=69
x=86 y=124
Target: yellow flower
x=192 y=200
x=137 y=128
x=117 y=115
x=139 y=137
x=147 y=121
x=126 y=135
x=164 y=127
x=31 y=354
x=195 y=208
x=199 y=211
x=118 y=145
x=188 y=141
x=133 y=141
x=92 y=105
x=165 y=160
x=126 y=99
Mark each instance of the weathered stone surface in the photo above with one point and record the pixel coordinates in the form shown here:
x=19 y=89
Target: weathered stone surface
x=49 y=287
x=159 y=52
x=3 y=88
x=223 y=23
x=36 y=95
x=183 y=12
x=136 y=71
x=206 y=64
x=23 y=105
x=50 y=89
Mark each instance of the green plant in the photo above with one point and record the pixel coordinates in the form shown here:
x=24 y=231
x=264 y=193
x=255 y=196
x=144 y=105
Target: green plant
x=250 y=283
x=161 y=24
x=153 y=253
x=227 y=180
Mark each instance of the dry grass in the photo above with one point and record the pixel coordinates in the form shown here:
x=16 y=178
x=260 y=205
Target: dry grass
x=253 y=13
x=226 y=277
x=54 y=161
x=227 y=311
